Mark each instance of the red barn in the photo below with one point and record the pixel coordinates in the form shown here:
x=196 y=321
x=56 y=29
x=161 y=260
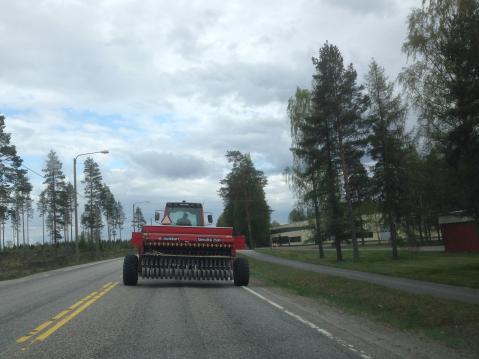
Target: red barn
x=460 y=233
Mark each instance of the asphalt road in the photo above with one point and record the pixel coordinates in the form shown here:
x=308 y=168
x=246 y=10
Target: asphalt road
x=86 y=312
x=462 y=294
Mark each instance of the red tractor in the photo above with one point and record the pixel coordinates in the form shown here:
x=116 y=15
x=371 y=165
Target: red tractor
x=183 y=247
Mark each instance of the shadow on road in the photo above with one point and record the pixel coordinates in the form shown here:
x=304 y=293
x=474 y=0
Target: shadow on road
x=186 y=284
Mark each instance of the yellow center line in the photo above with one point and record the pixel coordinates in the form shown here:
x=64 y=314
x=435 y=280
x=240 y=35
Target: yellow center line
x=34 y=331
x=60 y=315
x=65 y=320
x=106 y=285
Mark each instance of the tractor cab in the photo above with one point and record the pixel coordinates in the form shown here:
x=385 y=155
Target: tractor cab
x=183 y=214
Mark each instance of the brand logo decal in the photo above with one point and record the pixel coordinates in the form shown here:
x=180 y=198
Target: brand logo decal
x=209 y=239
x=170 y=238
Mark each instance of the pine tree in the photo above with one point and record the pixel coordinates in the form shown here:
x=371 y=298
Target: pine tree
x=333 y=130
x=53 y=194
x=108 y=203
x=42 y=212
x=93 y=194
x=120 y=217
x=67 y=202
x=10 y=181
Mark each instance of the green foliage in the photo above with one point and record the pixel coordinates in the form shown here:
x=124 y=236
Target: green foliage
x=297 y=215
x=22 y=261
x=245 y=207
x=443 y=82
x=386 y=119
x=274 y=224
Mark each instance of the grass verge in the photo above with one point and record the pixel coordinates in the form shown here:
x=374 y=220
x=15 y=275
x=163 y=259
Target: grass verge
x=460 y=269
x=452 y=323
x=18 y=263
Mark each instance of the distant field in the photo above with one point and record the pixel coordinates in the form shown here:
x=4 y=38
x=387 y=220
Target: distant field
x=15 y=263
x=460 y=269
x=452 y=323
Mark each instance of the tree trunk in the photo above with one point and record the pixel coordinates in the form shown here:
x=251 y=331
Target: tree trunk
x=421 y=236
x=54 y=211
x=344 y=166
x=318 y=235
x=23 y=233
x=392 y=230
x=250 y=232
x=319 y=238
x=362 y=230
x=332 y=198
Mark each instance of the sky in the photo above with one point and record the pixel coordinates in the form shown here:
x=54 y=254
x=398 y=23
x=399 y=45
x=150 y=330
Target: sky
x=169 y=86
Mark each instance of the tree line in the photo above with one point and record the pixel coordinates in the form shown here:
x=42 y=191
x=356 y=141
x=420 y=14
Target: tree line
x=55 y=204
x=352 y=154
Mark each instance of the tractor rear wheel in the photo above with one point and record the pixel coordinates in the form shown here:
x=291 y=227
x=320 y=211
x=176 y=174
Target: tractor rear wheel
x=241 y=272
x=130 y=270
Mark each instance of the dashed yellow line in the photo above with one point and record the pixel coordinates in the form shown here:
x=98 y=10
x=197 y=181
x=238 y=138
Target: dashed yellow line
x=65 y=320
x=73 y=311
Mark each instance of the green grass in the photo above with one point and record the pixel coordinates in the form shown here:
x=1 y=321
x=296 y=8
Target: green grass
x=18 y=263
x=461 y=269
x=452 y=323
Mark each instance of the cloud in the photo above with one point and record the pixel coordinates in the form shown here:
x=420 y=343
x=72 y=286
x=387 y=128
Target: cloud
x=173 y=165
x=169 y=87
x=365 y=6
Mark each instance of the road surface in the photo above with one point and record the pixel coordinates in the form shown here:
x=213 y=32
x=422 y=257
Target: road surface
x=463 y=294
x=86 y=312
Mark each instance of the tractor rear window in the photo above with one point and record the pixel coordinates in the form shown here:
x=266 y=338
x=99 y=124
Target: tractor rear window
x=185 y=216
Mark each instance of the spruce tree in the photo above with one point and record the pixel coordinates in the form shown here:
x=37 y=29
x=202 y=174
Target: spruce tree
x=387 y=139
x=245 y=207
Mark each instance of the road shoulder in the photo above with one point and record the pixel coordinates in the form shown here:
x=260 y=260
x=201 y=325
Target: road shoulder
x=375 y=338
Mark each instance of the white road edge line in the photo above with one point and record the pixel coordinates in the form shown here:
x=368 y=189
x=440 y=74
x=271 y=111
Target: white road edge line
x=310 y=324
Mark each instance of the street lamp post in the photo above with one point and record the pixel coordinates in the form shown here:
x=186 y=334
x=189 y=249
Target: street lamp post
x=77 y=249
x=133 y=213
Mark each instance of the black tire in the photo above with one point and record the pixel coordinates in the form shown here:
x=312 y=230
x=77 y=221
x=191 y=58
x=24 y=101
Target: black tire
x=130 y=270
x=241 y=272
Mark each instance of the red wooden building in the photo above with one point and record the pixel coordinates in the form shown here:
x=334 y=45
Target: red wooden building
x=460 y=233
